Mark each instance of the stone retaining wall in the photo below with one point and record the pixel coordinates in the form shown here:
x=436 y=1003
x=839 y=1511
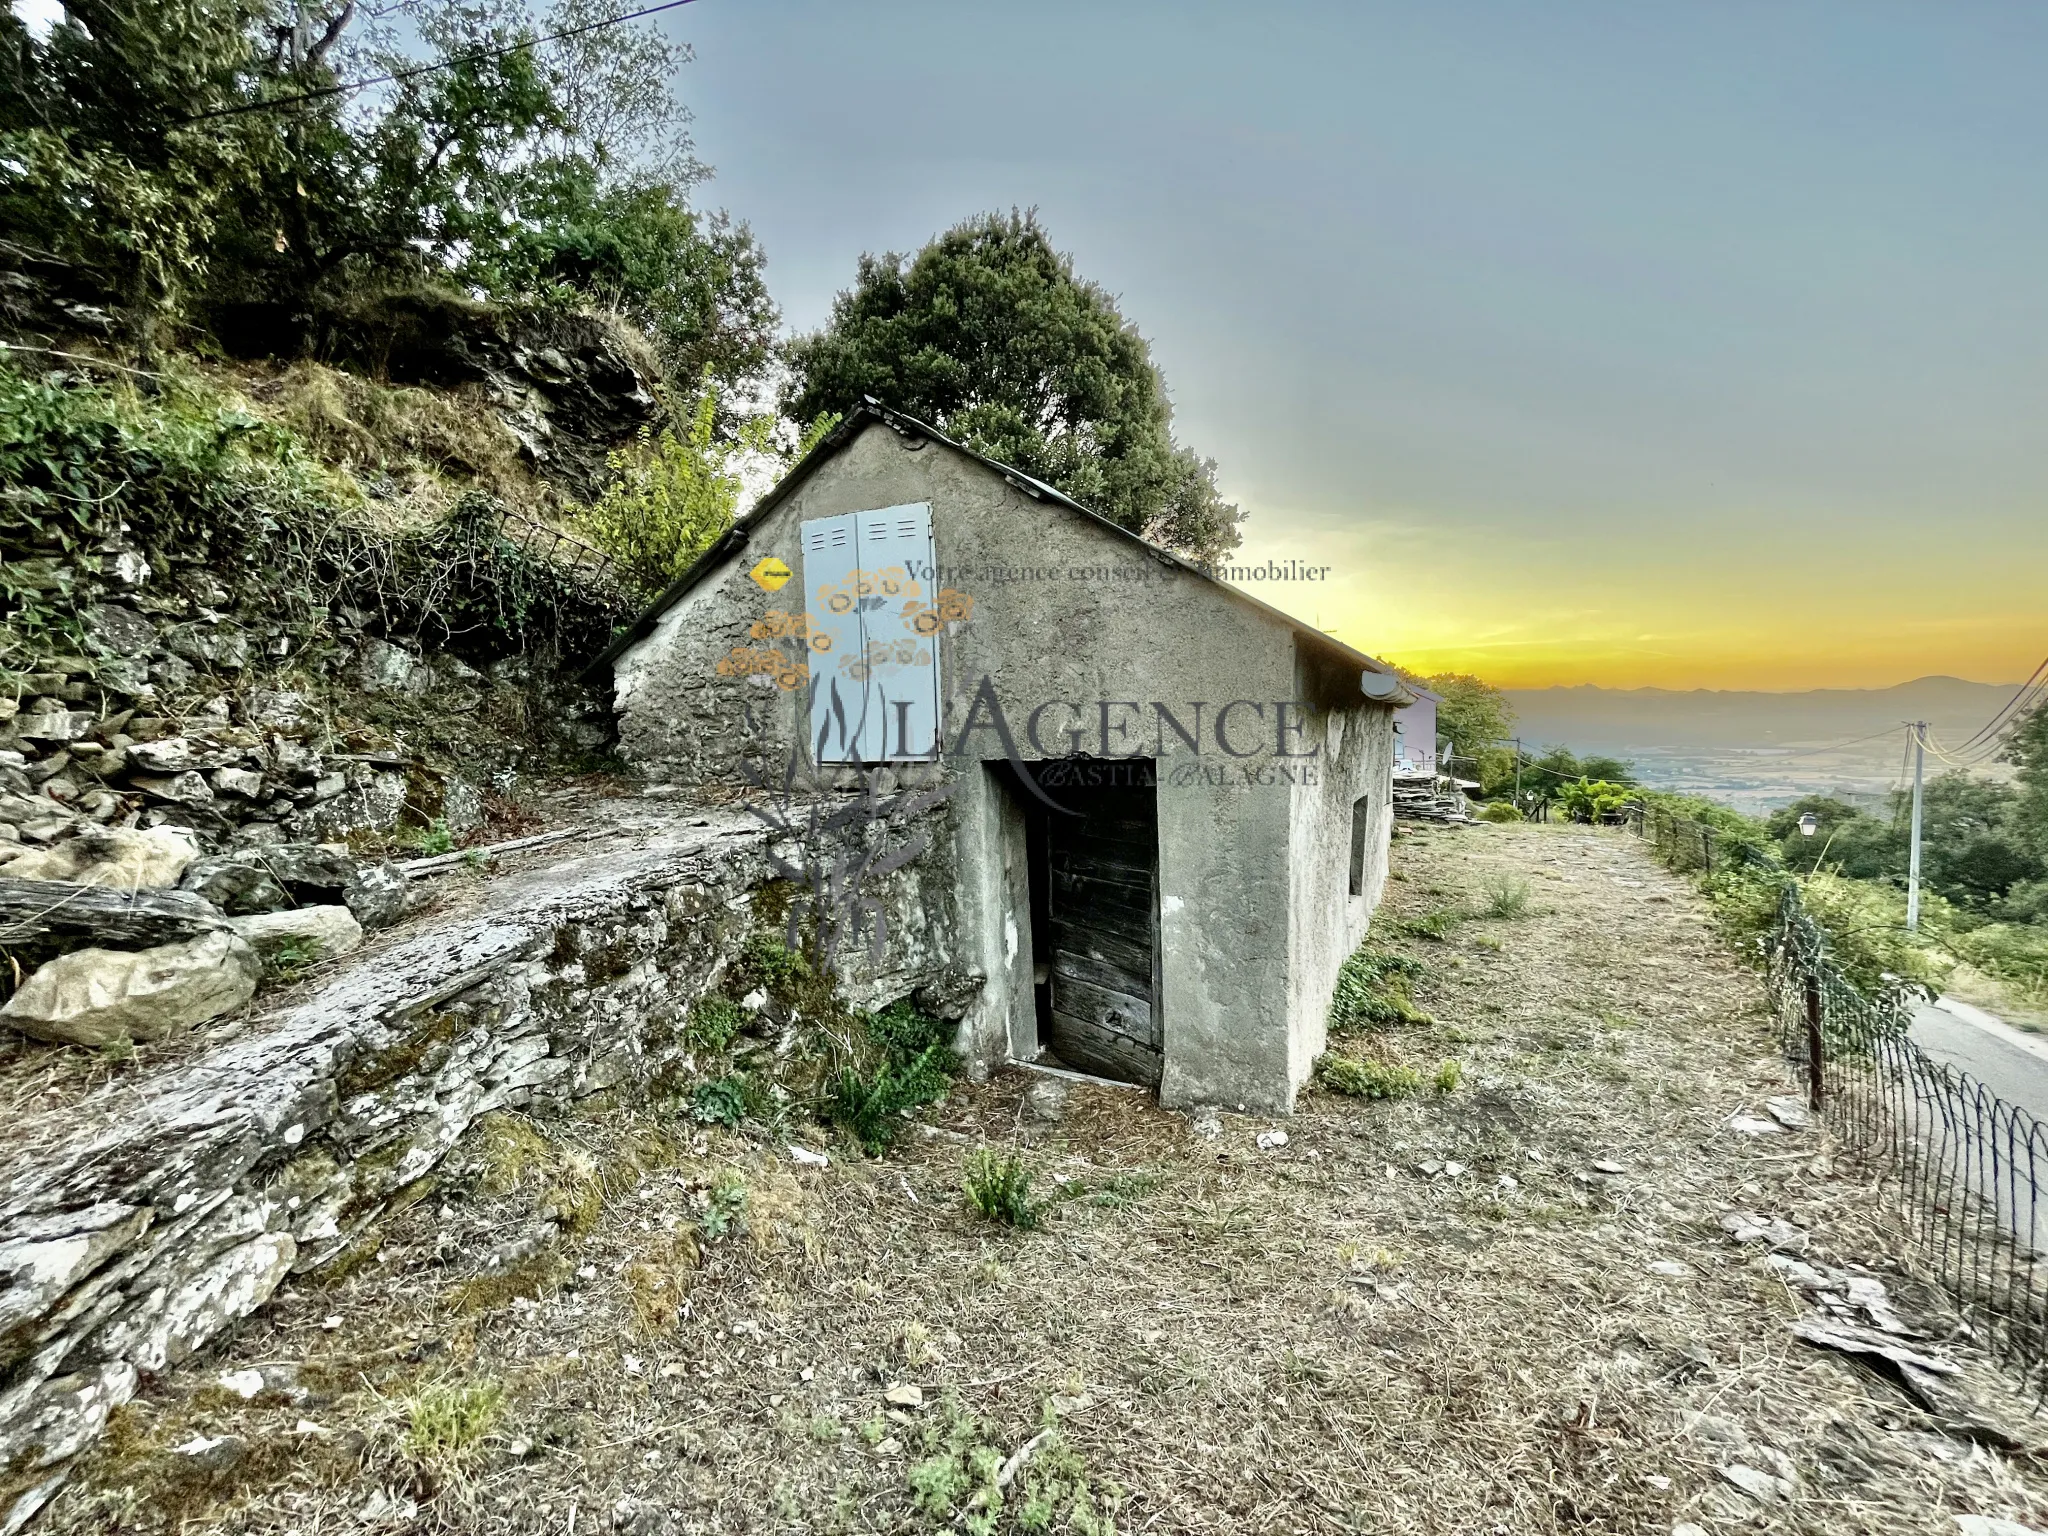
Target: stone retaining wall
x=139 y=1225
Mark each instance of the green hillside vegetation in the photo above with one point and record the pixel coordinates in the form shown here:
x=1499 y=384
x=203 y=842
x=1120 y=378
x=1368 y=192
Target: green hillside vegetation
x=1984 y=874
x=1984 y=859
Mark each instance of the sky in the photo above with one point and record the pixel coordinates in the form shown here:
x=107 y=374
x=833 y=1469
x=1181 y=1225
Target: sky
x=1677 y=345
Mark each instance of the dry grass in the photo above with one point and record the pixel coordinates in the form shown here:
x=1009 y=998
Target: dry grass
x=1324 y=1337
x=408 y=447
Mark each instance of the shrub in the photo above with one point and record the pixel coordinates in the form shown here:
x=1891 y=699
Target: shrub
x=1448 y=1075
x=722 y=1101
x=1373 y=988
x=672 y=494
x=1368 y=1079
x=1500 y=811
x=910 y=1064
x=1866 y=928
x=1594 y=800
x=715 y=1022
x=1506 y=897
x=2012 y=953
x=999 y=1190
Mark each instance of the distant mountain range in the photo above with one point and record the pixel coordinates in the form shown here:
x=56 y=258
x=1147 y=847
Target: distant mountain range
x=1756 y=751
x=1620 y=719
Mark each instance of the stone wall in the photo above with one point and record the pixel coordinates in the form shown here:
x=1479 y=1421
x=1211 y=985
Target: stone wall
x=136 y=1227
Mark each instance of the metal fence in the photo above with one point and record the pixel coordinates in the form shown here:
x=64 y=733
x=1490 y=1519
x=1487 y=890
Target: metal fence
x=1965 y=1165
x=543 y=542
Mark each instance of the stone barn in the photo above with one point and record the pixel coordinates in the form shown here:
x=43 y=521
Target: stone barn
x=1155 y=810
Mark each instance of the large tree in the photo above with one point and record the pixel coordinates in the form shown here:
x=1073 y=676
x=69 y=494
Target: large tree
x=989 y=334
x=204 y=154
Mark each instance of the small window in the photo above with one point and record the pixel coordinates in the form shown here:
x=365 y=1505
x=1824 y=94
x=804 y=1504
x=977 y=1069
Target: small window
x=1361 y=824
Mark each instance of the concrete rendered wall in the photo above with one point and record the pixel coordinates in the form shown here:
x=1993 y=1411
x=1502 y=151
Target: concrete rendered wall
x=1063 y=610
x=1328 y=921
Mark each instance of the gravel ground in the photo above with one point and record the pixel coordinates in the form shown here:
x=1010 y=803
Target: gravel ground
x=1507 y=1308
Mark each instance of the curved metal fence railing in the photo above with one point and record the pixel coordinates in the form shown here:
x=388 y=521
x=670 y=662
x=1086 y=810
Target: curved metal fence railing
x=1965 y=1165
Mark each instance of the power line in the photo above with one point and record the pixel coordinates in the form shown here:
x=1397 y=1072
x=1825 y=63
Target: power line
x=1985 y=742
x=347 y=88
x=2036 y=685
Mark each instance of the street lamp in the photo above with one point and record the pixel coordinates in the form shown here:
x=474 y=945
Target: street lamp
x=1808 y=824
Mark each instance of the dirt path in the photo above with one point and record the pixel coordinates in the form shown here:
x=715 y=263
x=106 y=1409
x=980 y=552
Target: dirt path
x=1507 y=1309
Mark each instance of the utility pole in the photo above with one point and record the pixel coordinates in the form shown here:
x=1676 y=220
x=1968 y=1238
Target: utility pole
x=1919 y=730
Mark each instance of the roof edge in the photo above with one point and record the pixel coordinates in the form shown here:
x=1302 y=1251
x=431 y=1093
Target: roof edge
x=871 y=410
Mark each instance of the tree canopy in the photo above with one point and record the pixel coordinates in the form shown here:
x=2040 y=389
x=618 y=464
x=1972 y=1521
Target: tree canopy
x=989 y=334
x=1474 y=714
x=201 y=155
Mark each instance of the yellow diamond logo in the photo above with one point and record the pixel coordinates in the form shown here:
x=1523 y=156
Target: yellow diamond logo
x=770 y=574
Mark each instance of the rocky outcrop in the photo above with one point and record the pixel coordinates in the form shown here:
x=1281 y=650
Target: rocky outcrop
x=149 y=1218
x=571 y=386
x=43 y=918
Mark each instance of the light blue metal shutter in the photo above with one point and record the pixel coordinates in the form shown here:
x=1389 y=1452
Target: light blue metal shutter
x=831 y=558
x=901 y=634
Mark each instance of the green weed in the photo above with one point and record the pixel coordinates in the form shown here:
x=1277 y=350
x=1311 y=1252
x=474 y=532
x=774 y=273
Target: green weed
x=433 y=838
x=1447 y=1076
x=769 y=964
x=998 y=1189
x=916 y=1068
x=727 y=1211
x=446 y=1422
x=721 y=1101
x=291 y=959
x=715 y=1022
x=1368 y=1079
x=1373 y=988
x=1435 y=924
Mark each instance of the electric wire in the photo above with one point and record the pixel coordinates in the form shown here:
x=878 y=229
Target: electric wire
x=350 y=87
x=1987 y=742
x=2036 y=685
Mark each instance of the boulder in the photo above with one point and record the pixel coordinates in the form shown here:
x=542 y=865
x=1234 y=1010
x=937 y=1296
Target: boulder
x=379 y=896
x=96 y=997
x=237 y=883
x=122 y=631
x=310 y=869
x=246 y=782
x=41 y=918
x=386 y=668
x=112 y=857
x=309 y=932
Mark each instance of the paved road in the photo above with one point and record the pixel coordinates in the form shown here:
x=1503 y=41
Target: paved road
x=2010 y=1062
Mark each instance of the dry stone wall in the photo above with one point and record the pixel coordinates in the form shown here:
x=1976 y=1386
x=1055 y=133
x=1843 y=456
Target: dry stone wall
x=138 y=1226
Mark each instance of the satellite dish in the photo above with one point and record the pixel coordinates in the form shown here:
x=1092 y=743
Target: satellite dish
x=1379 y=685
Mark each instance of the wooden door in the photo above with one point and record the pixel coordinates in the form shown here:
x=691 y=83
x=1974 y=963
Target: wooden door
x=1102 y=906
